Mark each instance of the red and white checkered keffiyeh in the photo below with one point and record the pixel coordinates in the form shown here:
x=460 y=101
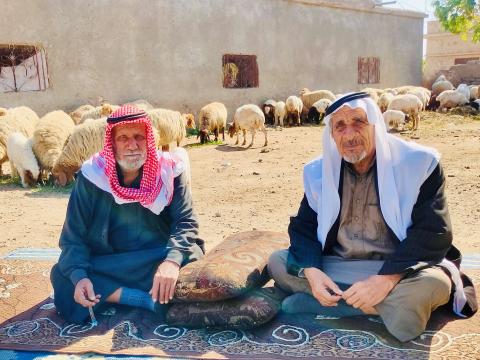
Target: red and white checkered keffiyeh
x=151 y=183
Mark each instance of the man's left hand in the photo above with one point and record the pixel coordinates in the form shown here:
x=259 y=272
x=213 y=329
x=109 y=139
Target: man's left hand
x=370 y=292
x=164 y=282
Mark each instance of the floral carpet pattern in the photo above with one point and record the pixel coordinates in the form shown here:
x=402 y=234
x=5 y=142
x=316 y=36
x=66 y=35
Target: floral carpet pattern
x=29 y=322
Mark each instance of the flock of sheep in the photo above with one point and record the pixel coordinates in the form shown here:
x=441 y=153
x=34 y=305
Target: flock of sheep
x=58 y=143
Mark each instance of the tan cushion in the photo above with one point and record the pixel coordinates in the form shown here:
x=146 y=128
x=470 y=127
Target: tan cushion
x=235 y=266
x=254 y=309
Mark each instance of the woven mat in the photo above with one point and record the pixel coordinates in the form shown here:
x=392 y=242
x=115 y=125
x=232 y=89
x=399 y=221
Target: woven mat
x=29 y=322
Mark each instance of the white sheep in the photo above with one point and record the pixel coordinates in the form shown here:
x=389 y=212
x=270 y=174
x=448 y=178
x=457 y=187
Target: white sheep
x=86 y=140
x=170 y=126
x=22 y=160
x=50 y=136
x=248 y=117
x=280 y=112
x=374 y=93
x=309 y=97
x=98 y=112
x=464 y=89
x=77 y=114
x=410 y=105
x=21 y=119
x=294 y=107
x=421 y=94
x=451 y=98
x=141 y=104
x=394 y=119
x=440 y=86
x=474 y=92
x=318 y=109
x=384 y=100
x=212 y=117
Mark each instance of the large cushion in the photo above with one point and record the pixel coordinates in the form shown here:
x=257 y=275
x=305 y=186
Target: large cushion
x=235 y=266
x=248 y=311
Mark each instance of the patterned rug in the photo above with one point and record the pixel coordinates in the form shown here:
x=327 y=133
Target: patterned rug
x=29 y=322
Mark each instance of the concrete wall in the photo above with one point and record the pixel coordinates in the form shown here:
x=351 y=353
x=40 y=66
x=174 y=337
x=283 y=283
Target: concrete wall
x=442 y=50
x=170 y=51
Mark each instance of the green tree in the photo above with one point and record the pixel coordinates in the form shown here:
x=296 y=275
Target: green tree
x=459 y=17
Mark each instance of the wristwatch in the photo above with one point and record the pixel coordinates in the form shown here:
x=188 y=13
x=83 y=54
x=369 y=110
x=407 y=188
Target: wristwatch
x=301 y=273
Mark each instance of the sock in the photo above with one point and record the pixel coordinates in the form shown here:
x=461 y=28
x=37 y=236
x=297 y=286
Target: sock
x=137 y=298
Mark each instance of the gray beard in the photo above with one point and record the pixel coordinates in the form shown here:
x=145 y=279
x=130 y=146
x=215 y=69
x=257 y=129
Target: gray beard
x=127 y=165
x=353 y=159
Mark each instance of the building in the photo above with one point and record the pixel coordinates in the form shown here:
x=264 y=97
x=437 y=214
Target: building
x=182 y=54
x=447 y=52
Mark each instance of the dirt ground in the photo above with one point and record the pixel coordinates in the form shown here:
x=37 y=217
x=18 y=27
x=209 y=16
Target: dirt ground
x=237 y=189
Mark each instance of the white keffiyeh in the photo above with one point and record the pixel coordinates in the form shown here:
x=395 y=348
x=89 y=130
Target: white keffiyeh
x=402 y=168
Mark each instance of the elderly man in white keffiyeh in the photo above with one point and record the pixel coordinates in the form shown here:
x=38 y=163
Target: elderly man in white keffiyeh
x=373 y=233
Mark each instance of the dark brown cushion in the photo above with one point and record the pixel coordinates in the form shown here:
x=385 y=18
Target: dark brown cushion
x=254 y=309
x=235 y=266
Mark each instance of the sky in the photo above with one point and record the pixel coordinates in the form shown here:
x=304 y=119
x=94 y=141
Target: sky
x=416 y=5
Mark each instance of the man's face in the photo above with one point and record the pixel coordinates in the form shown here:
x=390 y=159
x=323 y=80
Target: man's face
x=353 y=134
x=130 y=146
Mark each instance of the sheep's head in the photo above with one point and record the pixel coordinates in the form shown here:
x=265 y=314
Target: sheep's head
x=107 y=109
x=63 y=175
x=232 y=130
x=30 y=179
x=304 y=91
x=189 y=121
x=204 y=136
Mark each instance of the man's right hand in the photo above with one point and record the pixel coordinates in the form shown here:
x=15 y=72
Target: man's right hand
x=84 y=294
x=322 y=287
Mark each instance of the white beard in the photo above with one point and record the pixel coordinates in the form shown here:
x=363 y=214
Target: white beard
x=132 y=165
x=353 y=159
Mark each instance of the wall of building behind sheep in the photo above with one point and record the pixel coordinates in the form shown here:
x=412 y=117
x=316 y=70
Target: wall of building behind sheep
x=170 y=51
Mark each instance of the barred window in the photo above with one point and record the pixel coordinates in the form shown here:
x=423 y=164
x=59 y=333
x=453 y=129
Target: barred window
x=240 y=71
x=23 y=68
x=368 y=70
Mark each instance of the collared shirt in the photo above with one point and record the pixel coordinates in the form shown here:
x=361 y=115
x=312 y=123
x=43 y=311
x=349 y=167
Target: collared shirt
x=362 y=232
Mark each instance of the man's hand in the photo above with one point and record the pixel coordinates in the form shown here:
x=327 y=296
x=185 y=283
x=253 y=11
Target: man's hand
x=84 y=294
x=323 y=287
x=164 y=282
x=370 y=292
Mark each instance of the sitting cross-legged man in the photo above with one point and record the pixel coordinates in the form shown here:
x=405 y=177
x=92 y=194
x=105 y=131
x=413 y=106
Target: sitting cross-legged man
x=373 y=233
x=129 y=227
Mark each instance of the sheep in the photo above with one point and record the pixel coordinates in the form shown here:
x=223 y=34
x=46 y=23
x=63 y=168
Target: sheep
x=86 y=140
x=21 y=119
x=391 y=91
x=421 y=94
x=317 y=111
x=50 y=136
x=248 y=117
x=189 y=120
x=451 y=98
x=212 y=117
x=475 y=104
x=384 y=100
x=268 y=109
x=408 y=104
x=441 y=86
x=402 y=90
x=170 y=126
x=98 y=112
x=372 y=92
x=22 y=160
x=309 y=97
x=474 y=92
x=77 y=114
x=141 y=104
x=464 y=90
x=280 y=112
x=294 y=107
x=393 y=119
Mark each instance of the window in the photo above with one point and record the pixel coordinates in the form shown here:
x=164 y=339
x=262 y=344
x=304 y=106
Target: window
x=23 y=68
x=240 y=71
x=464 y=60
x=368 y=70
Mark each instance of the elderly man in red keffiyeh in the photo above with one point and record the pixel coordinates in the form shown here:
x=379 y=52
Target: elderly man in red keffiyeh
x=129 y=226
